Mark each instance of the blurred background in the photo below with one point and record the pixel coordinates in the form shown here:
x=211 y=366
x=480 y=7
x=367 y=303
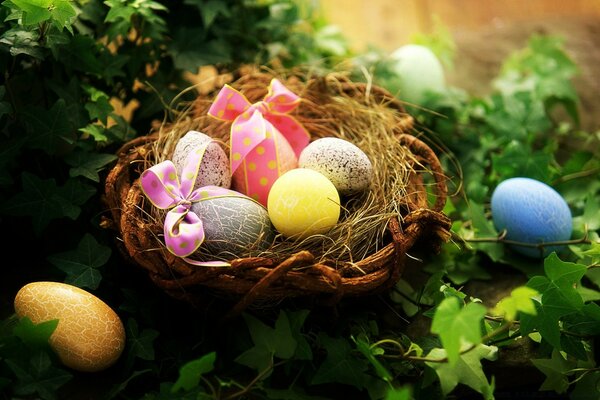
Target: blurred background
x=484 y=31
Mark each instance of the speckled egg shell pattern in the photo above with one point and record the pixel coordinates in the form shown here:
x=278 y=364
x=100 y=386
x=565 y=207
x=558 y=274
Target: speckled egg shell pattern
x=233 y=225
x=342 y=162
x=214 y=168
x=89 y=336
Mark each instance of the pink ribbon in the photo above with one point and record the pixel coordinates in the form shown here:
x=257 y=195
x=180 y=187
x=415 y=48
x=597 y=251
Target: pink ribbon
x=253 y=128
x=183 y=229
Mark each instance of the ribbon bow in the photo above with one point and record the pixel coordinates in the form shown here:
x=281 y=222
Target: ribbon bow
x=183 y=229
x=253 y=127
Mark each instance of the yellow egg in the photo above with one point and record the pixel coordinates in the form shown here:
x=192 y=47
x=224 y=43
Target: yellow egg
x=303 y=202
x=89 y=336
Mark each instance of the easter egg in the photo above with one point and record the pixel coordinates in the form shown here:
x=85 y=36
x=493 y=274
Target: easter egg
x=531 y=212
x=417 y=70
x=250 y=170
x=89 y=337
x=303 y=202
x=233 y=225
x=214 y=167
x=342 y=162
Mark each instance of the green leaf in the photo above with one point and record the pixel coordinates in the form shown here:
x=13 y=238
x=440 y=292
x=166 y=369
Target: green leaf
x=455 y=324
x=23 y=41
x=35 y=336
x=48 y=130
x=555 y=369
x=88 y=164
x=340 y=365
x=586 y=322
x=191 y=372
x=38 y=376
x=63 y=14
x=141 y=344
x=98 y=132
x=520 y=300
x=402 y=393
x=466 y=370
x=362 y=344
x=189 y=51
x=34 y=11
x=81 y=265
x=38 y=200
x=303 y=349
x=268 y=342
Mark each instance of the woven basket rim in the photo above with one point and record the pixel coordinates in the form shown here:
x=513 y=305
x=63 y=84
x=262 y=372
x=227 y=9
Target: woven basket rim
x=258 y=279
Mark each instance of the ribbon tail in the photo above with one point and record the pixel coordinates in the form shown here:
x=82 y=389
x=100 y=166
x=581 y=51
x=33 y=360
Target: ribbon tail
x=184 y=231
x=212 y=264
x=246 y=134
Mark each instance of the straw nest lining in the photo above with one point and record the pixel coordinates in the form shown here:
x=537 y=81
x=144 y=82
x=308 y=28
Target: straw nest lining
x=364 y=253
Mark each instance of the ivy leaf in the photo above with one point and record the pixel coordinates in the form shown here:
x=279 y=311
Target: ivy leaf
x=297 y=319
x=63 y=14
x=189 y=51
x=141 y=344
x=39 y=376
x=98 y=132
x=362 y=344
x=88 y=164
x=99 y=106
x=22 y=41
x=402 y=393
x=81 y=265
x=48 y=129
x=268 y=342
x=586 y=322
x=340 y=365
x=466 y=370
x=520 y=300
x=558 y=298
x=191 y=372
x=454 y=324
x=35 y=336
x=555 y=369
x=34 y=11
x=37 y=200
x=483 y=227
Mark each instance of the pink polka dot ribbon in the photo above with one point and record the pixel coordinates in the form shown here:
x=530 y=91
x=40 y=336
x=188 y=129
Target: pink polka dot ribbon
x=183 y=229
x=252 y=137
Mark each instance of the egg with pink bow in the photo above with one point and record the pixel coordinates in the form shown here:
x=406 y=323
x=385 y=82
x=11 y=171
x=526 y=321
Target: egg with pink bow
x=214 y=166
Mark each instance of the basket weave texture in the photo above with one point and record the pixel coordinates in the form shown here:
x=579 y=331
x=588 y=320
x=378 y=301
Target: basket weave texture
x=251 y=281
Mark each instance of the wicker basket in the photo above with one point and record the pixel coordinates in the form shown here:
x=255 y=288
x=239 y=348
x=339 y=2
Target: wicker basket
x=255 y=281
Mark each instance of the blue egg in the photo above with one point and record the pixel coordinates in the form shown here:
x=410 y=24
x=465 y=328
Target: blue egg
x=531 y=212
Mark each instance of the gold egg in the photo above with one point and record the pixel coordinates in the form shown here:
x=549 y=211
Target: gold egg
x=90 y=335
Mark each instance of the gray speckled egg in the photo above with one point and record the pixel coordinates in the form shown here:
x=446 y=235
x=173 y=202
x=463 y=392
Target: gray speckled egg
x=234 y=225
x=214 y=168
x=346 y=165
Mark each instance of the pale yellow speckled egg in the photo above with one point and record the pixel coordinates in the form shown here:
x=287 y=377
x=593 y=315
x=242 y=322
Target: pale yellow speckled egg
x=90 y=335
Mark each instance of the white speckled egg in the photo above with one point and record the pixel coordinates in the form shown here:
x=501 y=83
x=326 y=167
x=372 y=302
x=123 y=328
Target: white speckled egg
x=233 y=225
x=342 y=162
x=214 y=168
x=89 y=337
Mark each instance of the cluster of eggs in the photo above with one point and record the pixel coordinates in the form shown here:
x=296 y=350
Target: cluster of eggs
x=304 y=200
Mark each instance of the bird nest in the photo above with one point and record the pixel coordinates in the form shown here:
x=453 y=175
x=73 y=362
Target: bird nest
x=365 y=253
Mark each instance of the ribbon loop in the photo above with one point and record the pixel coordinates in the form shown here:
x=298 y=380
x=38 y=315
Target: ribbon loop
x=254 y=129
x=183 y=229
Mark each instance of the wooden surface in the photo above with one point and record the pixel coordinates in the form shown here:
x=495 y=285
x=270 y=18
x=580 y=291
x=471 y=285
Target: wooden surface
x=388 y=24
